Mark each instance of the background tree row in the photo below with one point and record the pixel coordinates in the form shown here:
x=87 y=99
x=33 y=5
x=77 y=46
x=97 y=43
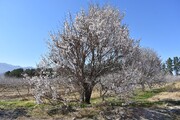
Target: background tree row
x=172 y=65
x=18 y=73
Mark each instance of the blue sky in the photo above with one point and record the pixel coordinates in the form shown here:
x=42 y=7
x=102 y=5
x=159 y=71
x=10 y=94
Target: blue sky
x=25 y=25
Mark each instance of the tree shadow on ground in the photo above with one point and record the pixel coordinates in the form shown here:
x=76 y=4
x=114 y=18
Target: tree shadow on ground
x=172 y=102
x=13 y=114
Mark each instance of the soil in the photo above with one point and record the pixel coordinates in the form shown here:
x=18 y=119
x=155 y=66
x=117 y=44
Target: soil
x=142 y=114
x=114 y=113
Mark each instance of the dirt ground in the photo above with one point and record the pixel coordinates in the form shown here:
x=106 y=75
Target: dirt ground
x=170 y=111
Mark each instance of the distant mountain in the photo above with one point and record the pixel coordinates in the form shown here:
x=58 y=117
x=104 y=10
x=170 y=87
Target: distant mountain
x=4 y=67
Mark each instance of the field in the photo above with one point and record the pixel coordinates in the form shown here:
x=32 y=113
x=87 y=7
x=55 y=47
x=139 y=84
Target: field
x=159 y=103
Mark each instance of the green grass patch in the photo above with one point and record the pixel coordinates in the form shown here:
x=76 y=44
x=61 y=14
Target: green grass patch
x=11 y=104
x=144 y=95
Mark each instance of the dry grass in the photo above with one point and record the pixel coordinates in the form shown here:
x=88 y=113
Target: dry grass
x=166 y=96
x=13 y=93
x=172 y=92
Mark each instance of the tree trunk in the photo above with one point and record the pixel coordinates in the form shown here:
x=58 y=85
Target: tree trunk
x=143 y=87
x=85 y=94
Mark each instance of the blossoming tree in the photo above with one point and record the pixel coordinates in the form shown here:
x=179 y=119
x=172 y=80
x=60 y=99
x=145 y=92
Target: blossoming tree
x=92 y=45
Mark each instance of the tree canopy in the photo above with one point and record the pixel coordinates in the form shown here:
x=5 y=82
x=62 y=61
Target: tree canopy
x=95 y=48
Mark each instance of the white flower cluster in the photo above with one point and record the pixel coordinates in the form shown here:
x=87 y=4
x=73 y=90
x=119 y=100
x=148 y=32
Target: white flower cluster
x=42 y=86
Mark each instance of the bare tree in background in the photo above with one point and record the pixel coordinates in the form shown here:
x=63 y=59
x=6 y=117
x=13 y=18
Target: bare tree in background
x=141 y=67
x=123 y=81
x=96 y=43
x=150 y=68
x=13 y=83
